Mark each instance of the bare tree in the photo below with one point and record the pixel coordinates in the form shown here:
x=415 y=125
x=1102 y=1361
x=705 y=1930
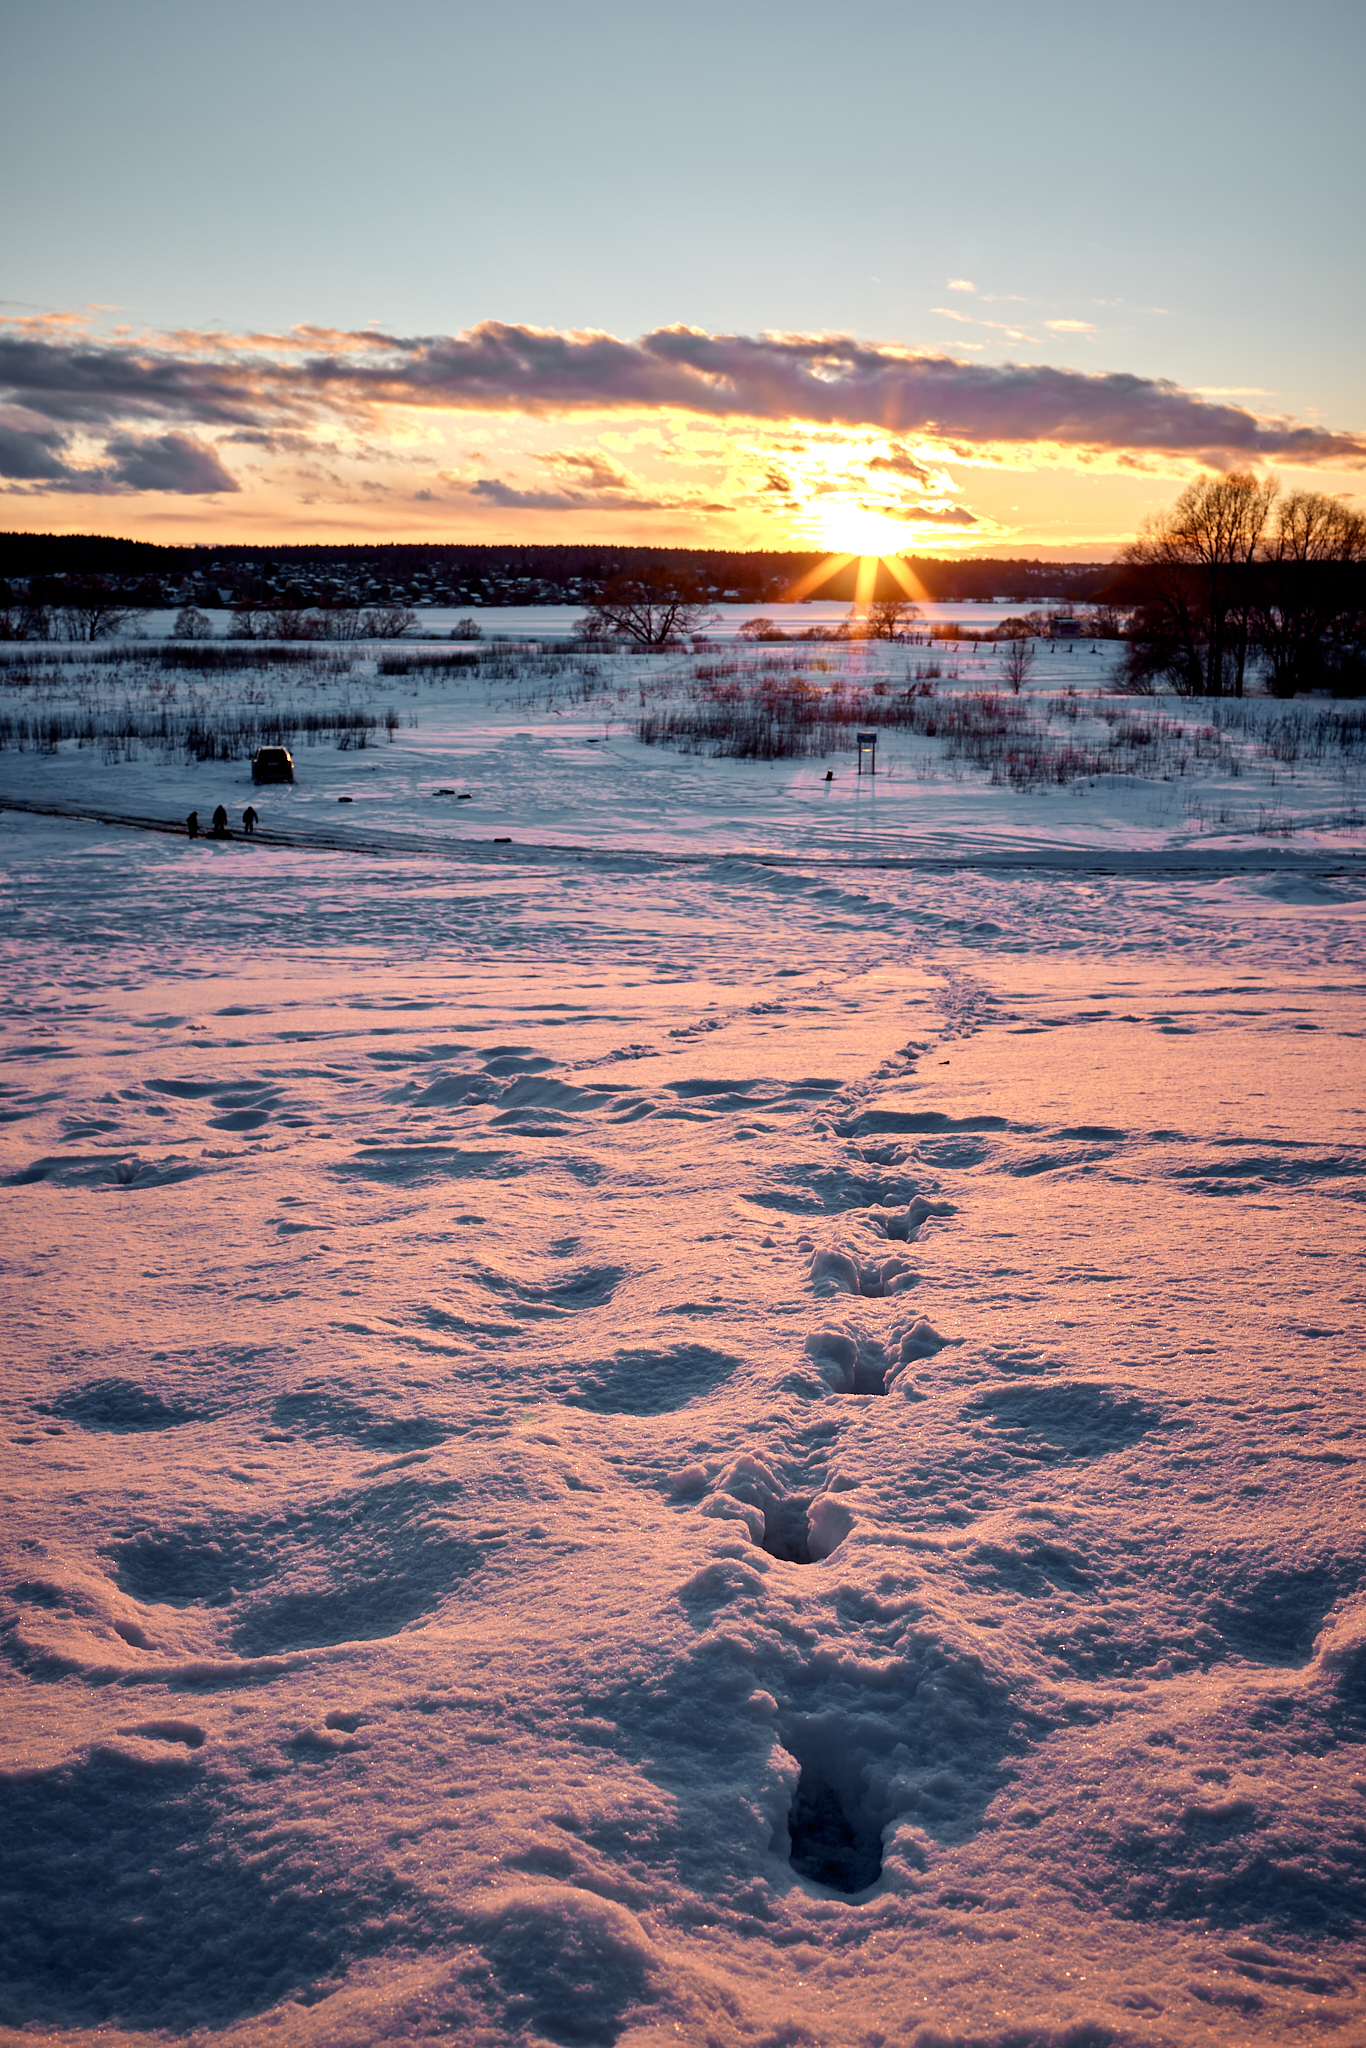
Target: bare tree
x=1017 y=663
x=26 y=621
x=191 y=624
x=91 y=608
x=341 y=622
x=387 y=621
x=1310 y=600
x=1192 y=569
x=655 y=607
x=889 y=617
x=292 y=622
x=1102 y=621
x=248 y=622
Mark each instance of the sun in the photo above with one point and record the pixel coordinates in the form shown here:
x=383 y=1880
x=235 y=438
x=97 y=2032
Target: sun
x=857 y=530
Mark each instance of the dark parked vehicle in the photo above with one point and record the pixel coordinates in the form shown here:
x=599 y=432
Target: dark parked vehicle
x=272 y=764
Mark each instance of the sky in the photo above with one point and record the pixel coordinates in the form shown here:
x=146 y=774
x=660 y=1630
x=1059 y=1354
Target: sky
x=992 y=280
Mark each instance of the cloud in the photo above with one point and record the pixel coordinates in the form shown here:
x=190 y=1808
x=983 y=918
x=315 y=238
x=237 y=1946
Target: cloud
x=944 y=515
x=902 y=464
x=168 y=462
x=833 y=381
x=495 y=492
x=1070 y=326
x=31 y=456
x=589 y=471
x=961 y=284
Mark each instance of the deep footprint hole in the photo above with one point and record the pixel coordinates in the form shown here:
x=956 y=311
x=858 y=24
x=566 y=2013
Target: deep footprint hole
x=785 y=1534
x=831 y=1846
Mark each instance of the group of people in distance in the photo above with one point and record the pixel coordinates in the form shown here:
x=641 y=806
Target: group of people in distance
x=220 y=823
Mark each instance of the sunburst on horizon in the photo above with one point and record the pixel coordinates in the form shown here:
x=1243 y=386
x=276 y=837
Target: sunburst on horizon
x=871 y=537
x=865 y=577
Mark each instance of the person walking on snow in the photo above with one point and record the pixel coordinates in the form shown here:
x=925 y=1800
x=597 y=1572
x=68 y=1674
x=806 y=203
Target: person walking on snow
x=220 y=823
x=192 y=824
x=249 y=820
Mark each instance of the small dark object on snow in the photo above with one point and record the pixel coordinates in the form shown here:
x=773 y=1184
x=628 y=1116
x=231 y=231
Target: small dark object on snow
x=272 y=764
x=465 y=797
x=502 y=842
x=829 y=774
x=192 y=824
x=249 y=820
x=346 y=799
x=220 y=823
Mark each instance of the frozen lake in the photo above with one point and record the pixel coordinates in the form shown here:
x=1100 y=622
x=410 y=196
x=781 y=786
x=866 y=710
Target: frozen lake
x=561 y=621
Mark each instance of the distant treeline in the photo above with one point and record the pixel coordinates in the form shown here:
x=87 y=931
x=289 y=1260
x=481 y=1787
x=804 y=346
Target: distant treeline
x=466 y=573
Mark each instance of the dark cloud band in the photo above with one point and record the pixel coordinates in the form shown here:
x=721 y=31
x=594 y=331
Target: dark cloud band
x=278 y=384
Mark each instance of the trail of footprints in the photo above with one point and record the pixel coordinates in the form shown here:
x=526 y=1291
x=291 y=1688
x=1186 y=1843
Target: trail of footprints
x=835 y=1821
x=386 y=1556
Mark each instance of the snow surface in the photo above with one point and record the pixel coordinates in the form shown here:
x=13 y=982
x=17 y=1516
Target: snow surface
x=678 y=1431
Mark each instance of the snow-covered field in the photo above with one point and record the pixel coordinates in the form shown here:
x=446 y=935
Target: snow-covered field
x=734 y=1422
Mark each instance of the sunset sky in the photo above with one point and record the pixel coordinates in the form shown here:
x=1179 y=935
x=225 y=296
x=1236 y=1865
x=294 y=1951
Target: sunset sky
x=992 y=280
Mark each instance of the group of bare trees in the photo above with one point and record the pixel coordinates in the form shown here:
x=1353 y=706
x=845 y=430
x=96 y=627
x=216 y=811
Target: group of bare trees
x=663 y=605
x=1240 y=573
x=80 y=608
x=307 y=622
x=88 y=609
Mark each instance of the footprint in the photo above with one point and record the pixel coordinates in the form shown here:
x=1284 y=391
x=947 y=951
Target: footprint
x=854 y=1363
x=118 y=1408
x=187 y=1732
x=877 y=1122
x=591 y=1288
x=75 y=1171
x=820 y=1189
x=831 y=1843
x=418 y=1165
x=319 y=1413
x=834 y=1272
x=917 y=1340
x=357 y=1567
x=514 y=1059
x=174 y=1925
x=954 y=1153
x=848 y=1363
x=189 y=1091
x=568 y=1965
x=795 y=1527
x=532 y=1096
x=1063 y=1419
x=1273 y=1618
x=448 y=1092
x=644 y=1382
x=907 y=1226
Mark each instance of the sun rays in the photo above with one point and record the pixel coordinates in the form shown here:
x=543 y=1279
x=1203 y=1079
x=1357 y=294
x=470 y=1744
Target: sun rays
x=865 y=577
